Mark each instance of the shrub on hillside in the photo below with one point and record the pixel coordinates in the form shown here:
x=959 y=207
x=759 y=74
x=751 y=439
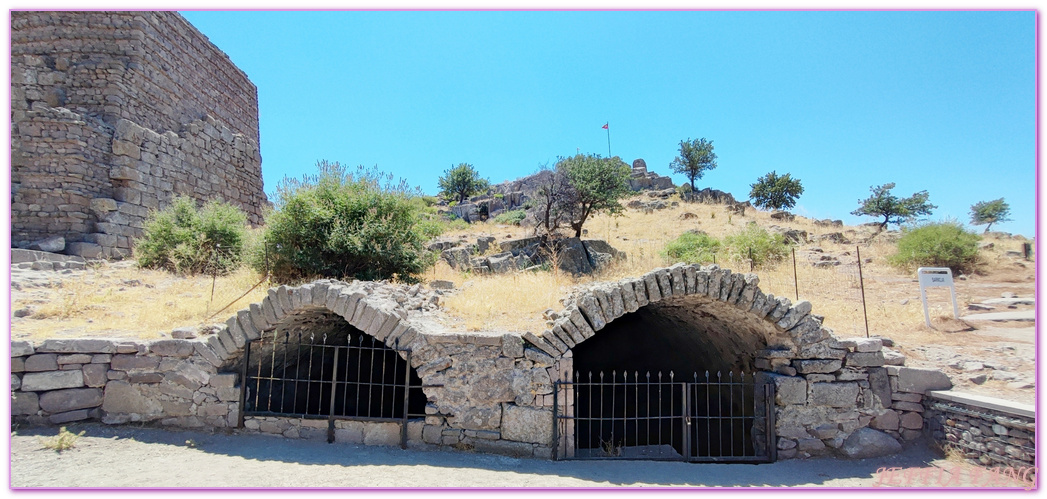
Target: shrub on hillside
x=692 y=247
x=765 y=247
x=346 y=225
x=942 y=244
x=513 y=217
x=190 y=240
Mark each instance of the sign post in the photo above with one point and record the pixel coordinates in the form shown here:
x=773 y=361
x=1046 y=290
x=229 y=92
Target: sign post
x=935 y=277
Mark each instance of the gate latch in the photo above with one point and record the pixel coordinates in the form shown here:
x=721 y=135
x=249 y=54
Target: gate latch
x=687 y=419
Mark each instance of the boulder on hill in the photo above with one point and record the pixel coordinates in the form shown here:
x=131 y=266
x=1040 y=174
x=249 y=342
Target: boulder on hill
x=571 y=255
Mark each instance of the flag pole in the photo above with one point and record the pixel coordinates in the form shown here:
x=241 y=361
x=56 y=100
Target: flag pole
x=607 y=126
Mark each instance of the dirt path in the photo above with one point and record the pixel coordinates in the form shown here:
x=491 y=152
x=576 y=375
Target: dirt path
x=149 y=457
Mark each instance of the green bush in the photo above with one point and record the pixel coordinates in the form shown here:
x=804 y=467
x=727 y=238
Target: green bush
x=766 y=247
x=513 y=217
x=691 y=247
x=942 y=244
x=346 y=225
x=188 y=240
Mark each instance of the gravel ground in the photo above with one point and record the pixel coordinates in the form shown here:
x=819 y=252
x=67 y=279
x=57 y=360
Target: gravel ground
x=129 y=456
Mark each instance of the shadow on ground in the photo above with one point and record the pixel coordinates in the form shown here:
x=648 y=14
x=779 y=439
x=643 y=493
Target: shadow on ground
x=268 y=449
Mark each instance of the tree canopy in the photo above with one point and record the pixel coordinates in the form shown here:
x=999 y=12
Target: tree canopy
x=892 y=208
x=461 y=182
x=696 y=157
x=593 y=185
x=775 y=192
x=990 y=212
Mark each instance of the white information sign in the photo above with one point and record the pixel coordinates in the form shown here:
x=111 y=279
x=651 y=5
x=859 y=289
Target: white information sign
x=935 y=277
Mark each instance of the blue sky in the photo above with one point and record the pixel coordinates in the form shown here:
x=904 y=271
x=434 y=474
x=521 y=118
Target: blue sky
x=936 y=101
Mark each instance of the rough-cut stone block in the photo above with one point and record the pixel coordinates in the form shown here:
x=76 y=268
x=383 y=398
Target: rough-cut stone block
x=283 y=296
x=867 y=442
x=246 y=331
x=580 y=323
x=41 y=362
x=127 y=362
x=617 y=302
x=628 y=296
x=273 y=299
x=834 y=394
x=821 y=350
x=525 y=424
x=817 y=366
x=865 y=359
x=554 y=341
x=689 y=275
x=788 y=390
x=145 y=378
x=95 y=375
x=215 y=344
x=796 y=313
x=902 y=405
x=679 y=286
x=912 y=421
x=77 y=346
x=207 y=354
x=71 y=399
x=541 y=344
x=52 y=380
x=569 y=328
x=257 y=317
x=24 y=403
x=665 y=285
x=730 y=294
x=512 y=346
x=701 y=281
x=172 y=348
x=591 y=308
x=382 y=434
x=69 y=417
x=640 y=292
x=887 y=420
x=21 y=348
x=780 y=309
x=750 y=285
x=911 y=379
x=559 y=332
x=650 y=281
x=727 y=285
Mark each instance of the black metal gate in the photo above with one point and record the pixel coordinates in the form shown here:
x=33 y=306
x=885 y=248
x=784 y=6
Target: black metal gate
x=352 y=377
x=643 y=416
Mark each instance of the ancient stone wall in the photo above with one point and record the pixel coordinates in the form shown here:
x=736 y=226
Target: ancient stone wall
x=114 y=114
x=985 y=430
x=493 y=392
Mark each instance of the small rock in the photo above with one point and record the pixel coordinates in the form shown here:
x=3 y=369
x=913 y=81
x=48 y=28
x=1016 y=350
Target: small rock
x=1008 y=294
x=904 y=302
x=978 y=306
x=439 y=284
x=51 y=245
x=183 y=333
x=978 y=379
x=1021 y=385
x=23 y=312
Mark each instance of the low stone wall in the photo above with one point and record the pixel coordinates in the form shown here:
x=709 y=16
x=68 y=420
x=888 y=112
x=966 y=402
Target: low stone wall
x=987 y=431
x=119 y=381
x=490 y=391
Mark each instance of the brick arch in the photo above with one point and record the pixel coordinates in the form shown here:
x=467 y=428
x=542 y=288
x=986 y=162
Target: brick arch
x=353 y=302
x=788 y=326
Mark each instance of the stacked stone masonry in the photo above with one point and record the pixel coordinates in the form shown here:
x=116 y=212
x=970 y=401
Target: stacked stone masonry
x=986 y=431
x=489 y=392
x=115 y=114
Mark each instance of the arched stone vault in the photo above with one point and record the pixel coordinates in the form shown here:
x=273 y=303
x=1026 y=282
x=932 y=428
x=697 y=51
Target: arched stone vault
x=729 y=303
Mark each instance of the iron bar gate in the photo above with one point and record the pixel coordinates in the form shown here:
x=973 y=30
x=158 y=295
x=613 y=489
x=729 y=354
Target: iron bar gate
x=300 y=375
x=655 y=417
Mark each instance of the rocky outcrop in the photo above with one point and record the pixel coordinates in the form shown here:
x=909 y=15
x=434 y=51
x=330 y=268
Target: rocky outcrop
x=640 y=179
x=571 y=255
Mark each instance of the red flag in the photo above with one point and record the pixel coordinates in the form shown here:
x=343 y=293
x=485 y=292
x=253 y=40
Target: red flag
x=605 y=125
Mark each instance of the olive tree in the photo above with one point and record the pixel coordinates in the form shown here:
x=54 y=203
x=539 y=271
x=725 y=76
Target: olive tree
x=775 y=192
x=461 y=182
x=892 y=208
x=696 y=157
x=990 y=212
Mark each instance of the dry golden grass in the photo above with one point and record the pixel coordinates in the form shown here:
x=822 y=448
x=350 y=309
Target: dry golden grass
x=893 y=307
x=133 y=302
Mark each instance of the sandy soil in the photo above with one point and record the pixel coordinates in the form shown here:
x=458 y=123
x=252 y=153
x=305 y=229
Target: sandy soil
x=129 y=456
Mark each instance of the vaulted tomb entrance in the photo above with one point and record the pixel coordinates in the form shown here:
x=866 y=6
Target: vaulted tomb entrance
x=672 y=381
x=315 y=365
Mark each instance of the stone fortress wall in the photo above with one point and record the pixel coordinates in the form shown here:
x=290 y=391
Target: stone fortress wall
x=114 y=114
